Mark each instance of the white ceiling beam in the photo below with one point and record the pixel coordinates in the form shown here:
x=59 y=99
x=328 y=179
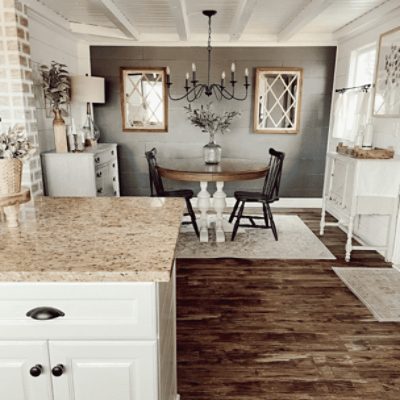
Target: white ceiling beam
x=178 y=9
x=367 y=19
x=96 y=30
x=119 y=19
x=243 y=13
x=47 y=13
x=303 y=18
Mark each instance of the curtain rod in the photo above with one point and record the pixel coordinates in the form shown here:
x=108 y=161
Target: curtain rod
x=363 y=87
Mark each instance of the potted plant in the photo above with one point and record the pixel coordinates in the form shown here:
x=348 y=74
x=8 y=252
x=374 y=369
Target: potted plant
x=211 y=123
x=56 y=85
x=14 y=149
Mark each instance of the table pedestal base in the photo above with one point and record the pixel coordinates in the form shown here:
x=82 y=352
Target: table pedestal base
x=219 y=201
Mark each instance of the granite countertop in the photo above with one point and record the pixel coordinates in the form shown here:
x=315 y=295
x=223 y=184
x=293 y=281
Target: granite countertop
x=92 y=239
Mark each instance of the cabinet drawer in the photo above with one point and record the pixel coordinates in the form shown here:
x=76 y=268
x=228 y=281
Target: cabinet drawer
x=109 y=155
x=94 y=310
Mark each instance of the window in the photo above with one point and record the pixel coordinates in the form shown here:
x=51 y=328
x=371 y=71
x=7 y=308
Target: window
x=362 y=66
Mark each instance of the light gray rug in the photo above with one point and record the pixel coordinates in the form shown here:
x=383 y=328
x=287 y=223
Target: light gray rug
x=377 y=288
x=296 y=241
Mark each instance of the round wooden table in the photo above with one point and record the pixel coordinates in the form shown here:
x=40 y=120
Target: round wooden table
x=195 y=170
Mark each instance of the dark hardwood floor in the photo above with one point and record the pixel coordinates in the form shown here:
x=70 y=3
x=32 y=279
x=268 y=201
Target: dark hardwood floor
x=282 y=330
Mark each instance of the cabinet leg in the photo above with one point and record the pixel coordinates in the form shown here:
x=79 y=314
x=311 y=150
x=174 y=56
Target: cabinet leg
x=219 y=199
x=12 y=213
x=203 y=203
x=349 y=239
x=322 y=222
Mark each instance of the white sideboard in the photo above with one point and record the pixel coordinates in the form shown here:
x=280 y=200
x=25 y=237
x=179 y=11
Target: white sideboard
x=112 y=341
x=356 y=188
x=91 y=173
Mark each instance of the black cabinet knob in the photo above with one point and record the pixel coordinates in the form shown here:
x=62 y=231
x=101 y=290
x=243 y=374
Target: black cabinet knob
x=36 y=370
x=99 y=174
x=58 y=370
x=99 y=191
x=97 y=159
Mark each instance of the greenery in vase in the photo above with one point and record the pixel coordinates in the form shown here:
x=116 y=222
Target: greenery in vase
x=15 y=144
x=209 y=121
x=56 y=85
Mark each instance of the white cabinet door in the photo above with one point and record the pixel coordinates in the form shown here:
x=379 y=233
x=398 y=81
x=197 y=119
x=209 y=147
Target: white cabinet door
x=119 y=370
x=16 y=361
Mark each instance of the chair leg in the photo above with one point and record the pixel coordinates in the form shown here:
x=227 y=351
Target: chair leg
x=237 y=222
x=273 y=227
x=192 y=216
x=265 y=215
x=234 y=211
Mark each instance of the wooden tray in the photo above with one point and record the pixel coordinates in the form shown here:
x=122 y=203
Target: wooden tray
x=359 y=152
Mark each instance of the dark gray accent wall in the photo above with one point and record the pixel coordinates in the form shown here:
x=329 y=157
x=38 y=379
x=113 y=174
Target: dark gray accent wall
x=305 y=151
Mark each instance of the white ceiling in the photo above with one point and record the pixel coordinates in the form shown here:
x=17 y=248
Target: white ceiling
x=240 y=21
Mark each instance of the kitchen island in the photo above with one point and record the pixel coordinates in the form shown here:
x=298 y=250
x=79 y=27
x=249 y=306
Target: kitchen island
x=87 y=300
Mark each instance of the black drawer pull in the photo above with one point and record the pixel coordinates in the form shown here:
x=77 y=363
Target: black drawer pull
x=44 y=313
x=36 y=370
x=58 y=370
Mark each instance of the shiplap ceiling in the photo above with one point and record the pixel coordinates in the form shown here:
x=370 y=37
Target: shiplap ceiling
x=238 y=21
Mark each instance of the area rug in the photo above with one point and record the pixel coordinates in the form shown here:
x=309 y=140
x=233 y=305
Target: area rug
x=296 y=241
x=377 y=288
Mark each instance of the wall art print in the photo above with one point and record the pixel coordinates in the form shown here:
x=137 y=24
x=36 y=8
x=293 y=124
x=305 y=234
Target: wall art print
x=387 y=85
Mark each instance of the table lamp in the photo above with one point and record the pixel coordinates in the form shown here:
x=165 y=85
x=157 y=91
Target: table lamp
x=89 y=90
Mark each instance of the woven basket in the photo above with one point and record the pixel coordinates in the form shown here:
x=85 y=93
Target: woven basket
x=10 y=176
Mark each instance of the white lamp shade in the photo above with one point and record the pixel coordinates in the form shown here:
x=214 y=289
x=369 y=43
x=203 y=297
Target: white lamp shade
x=87 y=89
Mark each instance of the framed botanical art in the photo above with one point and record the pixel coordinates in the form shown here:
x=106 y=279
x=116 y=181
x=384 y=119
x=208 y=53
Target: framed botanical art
x=144 y=102
x=277 y=100
x=387 y=75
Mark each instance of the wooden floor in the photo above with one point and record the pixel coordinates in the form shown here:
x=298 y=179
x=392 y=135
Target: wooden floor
x=282 y=330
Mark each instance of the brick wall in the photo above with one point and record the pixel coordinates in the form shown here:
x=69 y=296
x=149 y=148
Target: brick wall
x=16 y=86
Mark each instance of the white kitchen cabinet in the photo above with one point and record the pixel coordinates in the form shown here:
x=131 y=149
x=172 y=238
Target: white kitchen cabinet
x=107 y=340
x=104 y=370
x=92 y=173
x=362 y=188
x=17 y=381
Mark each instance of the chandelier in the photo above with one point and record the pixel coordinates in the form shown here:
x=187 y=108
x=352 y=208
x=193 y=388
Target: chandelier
x=195 y=89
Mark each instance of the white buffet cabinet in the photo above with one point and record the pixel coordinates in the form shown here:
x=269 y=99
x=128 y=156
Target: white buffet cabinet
x=91 y=173
x=115 y=341
x=357 y=189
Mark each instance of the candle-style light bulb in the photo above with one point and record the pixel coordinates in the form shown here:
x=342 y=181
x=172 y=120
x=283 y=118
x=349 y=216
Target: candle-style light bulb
x=233 y=67
x=187 y=76
x=168 y=71
x=223 y=75
x=193 y=67
x=246 y=72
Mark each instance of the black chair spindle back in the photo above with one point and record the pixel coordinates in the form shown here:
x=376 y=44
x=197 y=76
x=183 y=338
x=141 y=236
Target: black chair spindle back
x=155 y=178
x=273 y=179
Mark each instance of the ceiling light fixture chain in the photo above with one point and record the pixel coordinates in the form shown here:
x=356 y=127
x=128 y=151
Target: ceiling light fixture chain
x=196 y=90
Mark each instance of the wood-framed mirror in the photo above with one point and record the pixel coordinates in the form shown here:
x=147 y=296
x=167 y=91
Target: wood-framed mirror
x=277 y=100
x=144 y=100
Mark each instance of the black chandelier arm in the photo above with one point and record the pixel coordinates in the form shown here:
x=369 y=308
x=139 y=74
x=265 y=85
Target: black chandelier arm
x=188 y=93
x=216 y=89
x=197 y=92
x=231 y=96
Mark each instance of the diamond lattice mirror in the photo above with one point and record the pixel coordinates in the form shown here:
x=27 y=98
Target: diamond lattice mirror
x=277 y=100
x=143 y=99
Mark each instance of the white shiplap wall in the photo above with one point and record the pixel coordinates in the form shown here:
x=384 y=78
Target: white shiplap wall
x=51 y=42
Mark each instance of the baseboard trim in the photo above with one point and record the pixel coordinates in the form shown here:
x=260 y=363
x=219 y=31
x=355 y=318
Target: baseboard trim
x=285 y=202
